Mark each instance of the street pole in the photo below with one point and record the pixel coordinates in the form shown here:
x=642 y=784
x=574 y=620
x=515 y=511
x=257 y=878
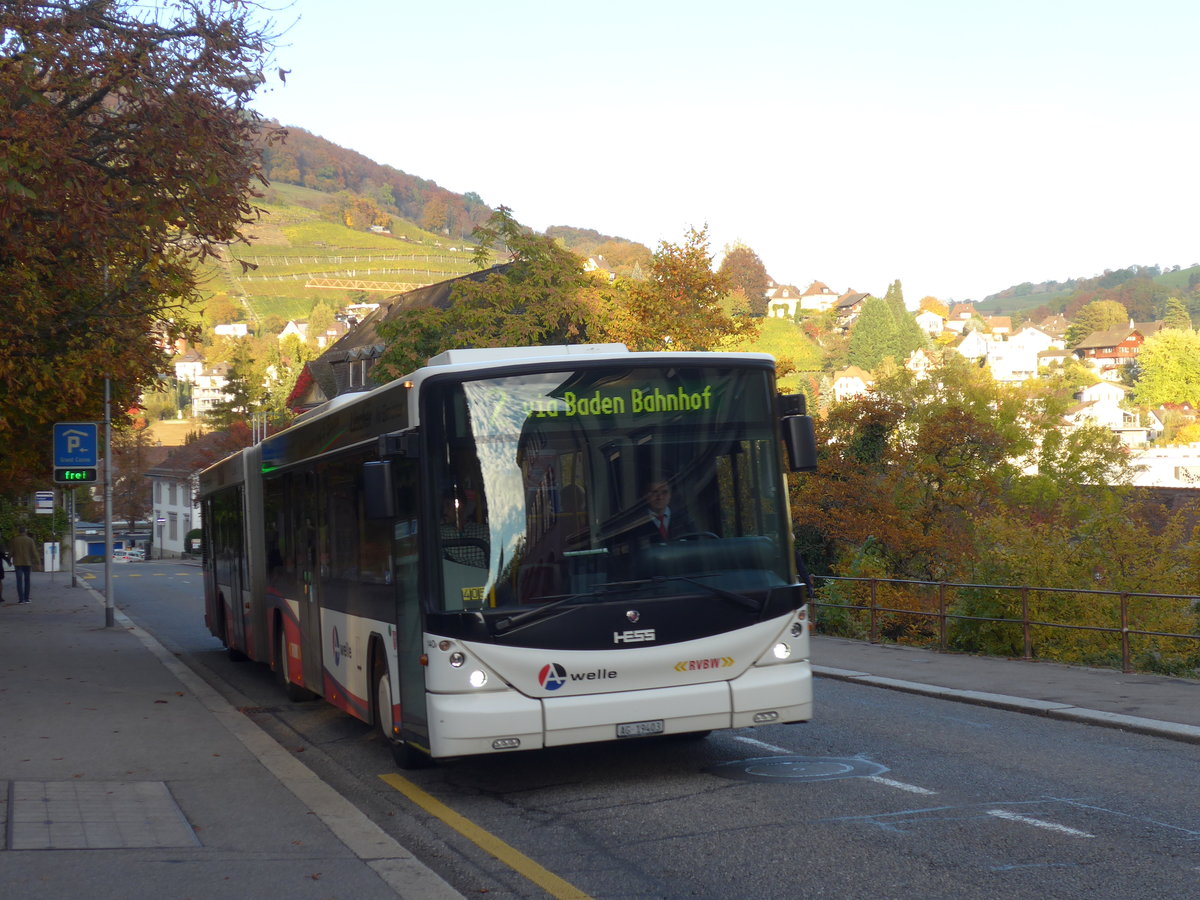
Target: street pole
x=109 y=610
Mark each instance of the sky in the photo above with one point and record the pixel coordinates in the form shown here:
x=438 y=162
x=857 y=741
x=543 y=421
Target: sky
x=961 y=147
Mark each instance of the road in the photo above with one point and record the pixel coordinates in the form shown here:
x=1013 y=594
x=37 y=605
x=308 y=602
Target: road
x=883 y=795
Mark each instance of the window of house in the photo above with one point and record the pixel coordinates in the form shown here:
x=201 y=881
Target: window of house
x=171 y=501
x=173 y=525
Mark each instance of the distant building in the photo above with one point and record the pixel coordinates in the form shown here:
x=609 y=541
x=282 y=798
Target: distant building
x=851 y=382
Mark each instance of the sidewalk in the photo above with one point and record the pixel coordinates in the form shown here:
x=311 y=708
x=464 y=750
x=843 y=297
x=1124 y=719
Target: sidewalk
x=1148 y=704
x=124 y=775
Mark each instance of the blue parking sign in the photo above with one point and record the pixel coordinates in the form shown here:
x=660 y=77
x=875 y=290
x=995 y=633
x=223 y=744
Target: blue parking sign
x=76 y=444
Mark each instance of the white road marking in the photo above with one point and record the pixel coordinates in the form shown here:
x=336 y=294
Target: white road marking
x=911 y=788
x=756 y=743
x=1037 y=823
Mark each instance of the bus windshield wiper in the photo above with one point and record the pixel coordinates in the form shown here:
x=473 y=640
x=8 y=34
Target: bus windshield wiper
x=732 y=596
x=499 y=626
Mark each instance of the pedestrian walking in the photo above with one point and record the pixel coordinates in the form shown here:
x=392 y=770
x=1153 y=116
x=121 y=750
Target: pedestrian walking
x=23 y=553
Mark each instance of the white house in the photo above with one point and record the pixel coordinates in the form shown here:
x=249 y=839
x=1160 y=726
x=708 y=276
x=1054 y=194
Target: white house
x=208 y=389
x=973 y=345
x=930 y=322
x=783 y=300
x=819 y=297
x=233 y=329
x=851 y=382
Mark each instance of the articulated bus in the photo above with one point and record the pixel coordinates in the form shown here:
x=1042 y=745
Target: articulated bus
x=466 y=557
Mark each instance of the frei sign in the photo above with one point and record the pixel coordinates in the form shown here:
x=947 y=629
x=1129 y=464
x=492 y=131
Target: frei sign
x=76 y=452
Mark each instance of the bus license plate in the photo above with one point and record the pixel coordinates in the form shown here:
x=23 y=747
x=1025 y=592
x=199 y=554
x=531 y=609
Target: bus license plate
x=640 y=729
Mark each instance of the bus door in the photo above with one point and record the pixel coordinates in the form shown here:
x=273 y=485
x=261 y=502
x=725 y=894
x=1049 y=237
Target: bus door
x=308 y=541
x=410 y=621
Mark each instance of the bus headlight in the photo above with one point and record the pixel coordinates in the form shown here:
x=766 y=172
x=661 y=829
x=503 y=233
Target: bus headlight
x=782 y=650
x=478 y=678
x=457 y=658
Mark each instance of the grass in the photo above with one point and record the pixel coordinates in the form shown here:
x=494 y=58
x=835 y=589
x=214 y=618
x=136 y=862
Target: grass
x=784 y=338
x=293 y=244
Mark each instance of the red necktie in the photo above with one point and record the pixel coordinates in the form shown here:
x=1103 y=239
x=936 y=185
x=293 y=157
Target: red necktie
x=662 y=526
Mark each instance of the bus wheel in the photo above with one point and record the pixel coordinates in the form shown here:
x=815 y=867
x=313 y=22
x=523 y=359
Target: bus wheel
x=294 y=691
x=404 y=755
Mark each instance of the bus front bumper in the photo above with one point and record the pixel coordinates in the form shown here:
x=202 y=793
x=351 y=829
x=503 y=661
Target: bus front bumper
x=496 y=721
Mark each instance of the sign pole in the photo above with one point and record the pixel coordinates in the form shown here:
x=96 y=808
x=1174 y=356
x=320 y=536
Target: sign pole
x=109 y=609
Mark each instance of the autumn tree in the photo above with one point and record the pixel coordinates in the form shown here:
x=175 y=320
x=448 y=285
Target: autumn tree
x=677 y=306
x=745 y=273
x=127 y=159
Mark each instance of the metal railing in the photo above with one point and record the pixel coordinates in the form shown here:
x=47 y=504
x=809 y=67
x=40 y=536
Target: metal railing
x=976 y=617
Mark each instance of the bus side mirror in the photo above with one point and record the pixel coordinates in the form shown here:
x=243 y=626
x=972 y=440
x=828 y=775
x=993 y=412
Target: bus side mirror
x=378 y=499
x=800 y=438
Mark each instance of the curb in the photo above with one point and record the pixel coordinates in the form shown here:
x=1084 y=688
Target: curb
x=1049 y=708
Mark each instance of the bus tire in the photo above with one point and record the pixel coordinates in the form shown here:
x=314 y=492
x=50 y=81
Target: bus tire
x=294 y=692
x=404 y=755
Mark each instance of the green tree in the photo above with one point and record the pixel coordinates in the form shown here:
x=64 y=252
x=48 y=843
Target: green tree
x=1099 y=315
x=128 y=157
x=1176 y=315
x=244 y=391
x=873 y=337
x=745 y=272
x=1169 y=368
x=540 y=296
x=320 y=320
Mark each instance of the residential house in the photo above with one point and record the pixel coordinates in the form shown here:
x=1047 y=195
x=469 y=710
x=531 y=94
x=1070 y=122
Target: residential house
x=851 y=382
x=973 y=345
x=232 y=329
x=1053 y=356
x=1100 y=404
x=208 y=389
x=1000 y=326
x=189 y=365
x=931 y=323
x=173 y=486
x=849 y=305
x=294 y=327
x=1011 y=361
x=783 y=301
x=598 y=264
x=960 y=315
x=1056 y=326
x=819 y=297
x=919 y=363
x=1033 y=338
x=1109 y=351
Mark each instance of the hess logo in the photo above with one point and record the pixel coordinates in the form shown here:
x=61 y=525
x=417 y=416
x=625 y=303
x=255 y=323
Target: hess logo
x=552 y=676
x=636 y=636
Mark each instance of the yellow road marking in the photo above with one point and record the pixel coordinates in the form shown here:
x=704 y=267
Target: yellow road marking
x=511 y=857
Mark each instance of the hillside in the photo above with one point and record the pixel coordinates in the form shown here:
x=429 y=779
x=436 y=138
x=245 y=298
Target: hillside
x=1056 y=296
x=297 y=257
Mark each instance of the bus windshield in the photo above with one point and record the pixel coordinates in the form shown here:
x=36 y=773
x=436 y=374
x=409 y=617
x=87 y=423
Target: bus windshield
x=584 y=483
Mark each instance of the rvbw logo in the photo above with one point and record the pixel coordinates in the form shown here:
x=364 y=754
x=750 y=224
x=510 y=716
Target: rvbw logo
x=552 y=677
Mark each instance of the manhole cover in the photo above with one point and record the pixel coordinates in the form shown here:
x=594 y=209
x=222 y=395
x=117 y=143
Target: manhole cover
x=797 y=768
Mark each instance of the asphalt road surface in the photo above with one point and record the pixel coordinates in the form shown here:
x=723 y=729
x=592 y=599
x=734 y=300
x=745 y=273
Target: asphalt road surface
x=883 y=795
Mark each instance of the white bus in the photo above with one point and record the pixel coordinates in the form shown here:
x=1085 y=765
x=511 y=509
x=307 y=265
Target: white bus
x=466 y=557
